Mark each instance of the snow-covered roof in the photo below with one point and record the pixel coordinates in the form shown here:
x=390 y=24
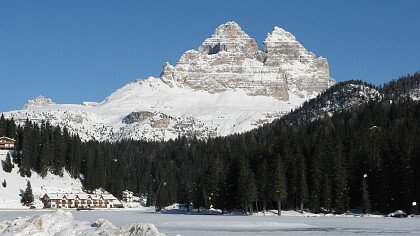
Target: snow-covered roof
x=7 y=138
x=108 y=197
x=54 y=196
x=96 y=197
x=81 y=196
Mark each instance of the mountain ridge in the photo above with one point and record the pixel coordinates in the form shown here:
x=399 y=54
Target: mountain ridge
x=225 y=86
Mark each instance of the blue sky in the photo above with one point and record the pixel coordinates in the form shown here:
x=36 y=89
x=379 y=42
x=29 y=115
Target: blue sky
x=75 y=51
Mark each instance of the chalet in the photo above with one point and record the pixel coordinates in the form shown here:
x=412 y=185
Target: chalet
x=78 y=200
x=127 y=196
x=7 y=143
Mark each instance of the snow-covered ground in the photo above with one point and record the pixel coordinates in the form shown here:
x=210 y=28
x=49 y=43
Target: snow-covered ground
x=181 y=224
x=15 y=185
x=62 y=223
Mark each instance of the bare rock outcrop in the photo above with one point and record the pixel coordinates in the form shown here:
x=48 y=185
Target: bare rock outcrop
x=230 y=59
x=38 y=102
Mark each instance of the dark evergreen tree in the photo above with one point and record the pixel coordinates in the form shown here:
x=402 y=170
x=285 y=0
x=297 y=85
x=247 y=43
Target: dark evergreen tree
x=27 y=196
x=246 y=188
x=326 y=195
x=339 y=180
x=262 y=182
x=7 y=164
x=278 y=183
x=365 y=198
x=302 y=195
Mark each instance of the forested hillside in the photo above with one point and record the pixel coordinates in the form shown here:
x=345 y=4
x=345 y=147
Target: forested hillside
x=366 y=155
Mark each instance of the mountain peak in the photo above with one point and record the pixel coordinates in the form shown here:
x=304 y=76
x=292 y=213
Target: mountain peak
x=279 y=35
x=229 y=37
x=229 y=29
x=39 y=101
x=230 y=60
x=225 y=86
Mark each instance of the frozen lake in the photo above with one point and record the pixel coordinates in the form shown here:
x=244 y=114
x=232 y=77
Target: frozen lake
x=176 y=224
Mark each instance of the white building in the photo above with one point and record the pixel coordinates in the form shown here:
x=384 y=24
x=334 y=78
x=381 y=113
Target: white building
x=7 y=143
x=54 y=200
x=127 y=196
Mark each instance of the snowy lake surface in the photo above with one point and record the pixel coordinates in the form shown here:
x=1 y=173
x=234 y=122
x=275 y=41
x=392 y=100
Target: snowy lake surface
x=179 y=224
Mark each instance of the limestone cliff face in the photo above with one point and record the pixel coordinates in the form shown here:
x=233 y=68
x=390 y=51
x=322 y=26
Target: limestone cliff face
x=230 y=60
x=302 y=70
x=38 y=102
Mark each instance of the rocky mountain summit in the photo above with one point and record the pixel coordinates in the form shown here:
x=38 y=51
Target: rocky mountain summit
x=226 y=86
x=230 y=59
x=39 y=101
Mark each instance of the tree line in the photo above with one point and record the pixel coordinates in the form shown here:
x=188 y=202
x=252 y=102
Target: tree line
x=366 y=157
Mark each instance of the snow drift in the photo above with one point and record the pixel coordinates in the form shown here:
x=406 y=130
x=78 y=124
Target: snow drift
x=61 y=223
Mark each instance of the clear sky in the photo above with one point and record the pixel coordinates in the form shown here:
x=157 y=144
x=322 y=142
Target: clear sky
x=75 y=51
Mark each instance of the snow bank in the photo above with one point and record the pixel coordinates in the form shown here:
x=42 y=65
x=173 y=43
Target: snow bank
x=16 y=184
x=61 y=223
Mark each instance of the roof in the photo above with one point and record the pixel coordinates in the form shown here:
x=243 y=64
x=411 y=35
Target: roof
x=54 y=196
x=7 y=138
x=108 y=197
x=81 y=196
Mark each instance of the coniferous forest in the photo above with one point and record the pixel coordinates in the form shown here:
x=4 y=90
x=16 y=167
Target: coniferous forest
x=367 y=157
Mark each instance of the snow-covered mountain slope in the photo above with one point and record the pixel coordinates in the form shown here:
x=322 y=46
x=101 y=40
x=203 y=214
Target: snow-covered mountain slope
x=341 y=96
x=62 y=222
x=151 y=109
x=405 y=87
x=15 y=185
x=227 y=86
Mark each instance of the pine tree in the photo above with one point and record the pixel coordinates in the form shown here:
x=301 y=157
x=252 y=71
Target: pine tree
x=278 y=183
x=27 y=196
x=7 y=164
x=199 y=192
x=262 y=181
x=302 y=186
x=315 y=186
x=27 y=150
x=326 y=196
x=340 y=180
x=2 y=125
x=365 y=196
x=45 y=158
x=4 y=184
x=74 y=162
x=216 y=182
x=246 y=186
x=58 y=152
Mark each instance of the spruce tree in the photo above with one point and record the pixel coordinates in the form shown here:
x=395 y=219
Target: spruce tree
x=4 y=184
x=246 y=187
x=339 y=180
x=302 y=186
x=45 y=158
x=217 y=183
x=27 y=196
x=262 y=180
x=7 y=164
x=365 y=201
x=27 y=150
x=2 y=125
x=315 y=184
x=278 y=183
x=199 y=192
x=326 y=196
x=58 y=152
